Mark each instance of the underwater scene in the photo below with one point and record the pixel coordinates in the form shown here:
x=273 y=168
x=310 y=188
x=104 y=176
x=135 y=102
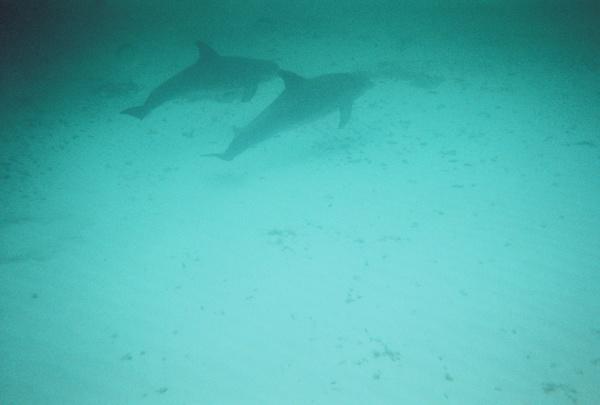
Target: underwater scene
x=299 y=202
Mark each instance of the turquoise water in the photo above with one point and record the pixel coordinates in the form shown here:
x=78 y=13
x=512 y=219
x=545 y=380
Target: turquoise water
x=441 y=248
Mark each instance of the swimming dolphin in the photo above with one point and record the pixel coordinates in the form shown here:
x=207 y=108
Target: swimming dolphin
x=303 y=100
x=212 y=75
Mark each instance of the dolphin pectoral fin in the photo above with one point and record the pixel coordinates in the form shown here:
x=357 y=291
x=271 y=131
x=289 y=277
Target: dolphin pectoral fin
x=138 y=112
x=249 y=92
x=345 y=112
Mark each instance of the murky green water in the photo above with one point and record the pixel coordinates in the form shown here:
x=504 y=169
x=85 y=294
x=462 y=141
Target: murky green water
x=442 y=247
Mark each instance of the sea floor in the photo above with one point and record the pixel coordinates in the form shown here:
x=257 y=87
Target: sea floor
x=443 y=248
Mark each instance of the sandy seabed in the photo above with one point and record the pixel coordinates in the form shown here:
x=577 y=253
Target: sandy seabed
x=443 y=248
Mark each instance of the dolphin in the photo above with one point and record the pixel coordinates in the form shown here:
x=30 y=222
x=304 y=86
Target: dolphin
x=213 y=76
x=302 y=101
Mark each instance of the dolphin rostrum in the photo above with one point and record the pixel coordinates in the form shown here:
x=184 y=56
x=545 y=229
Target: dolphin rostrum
x=303 y=100
x=212 y=75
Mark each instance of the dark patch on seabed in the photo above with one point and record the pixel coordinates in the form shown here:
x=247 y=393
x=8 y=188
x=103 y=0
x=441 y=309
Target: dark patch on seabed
x=415 y=217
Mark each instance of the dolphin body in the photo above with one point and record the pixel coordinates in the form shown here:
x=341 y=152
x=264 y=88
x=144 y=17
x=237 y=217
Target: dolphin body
x=212 y=75
x=303 y=100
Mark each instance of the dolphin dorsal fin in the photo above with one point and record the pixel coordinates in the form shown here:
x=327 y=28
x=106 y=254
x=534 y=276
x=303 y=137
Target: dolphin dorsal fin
x=205 y=51
x=291 y=79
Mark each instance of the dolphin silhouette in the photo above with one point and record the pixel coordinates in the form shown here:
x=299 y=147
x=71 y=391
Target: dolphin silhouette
x=302 y=101
x=212 y=75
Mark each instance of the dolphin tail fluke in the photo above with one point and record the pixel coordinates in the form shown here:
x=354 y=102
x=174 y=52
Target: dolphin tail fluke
x=222 y=156
x=138 y=112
